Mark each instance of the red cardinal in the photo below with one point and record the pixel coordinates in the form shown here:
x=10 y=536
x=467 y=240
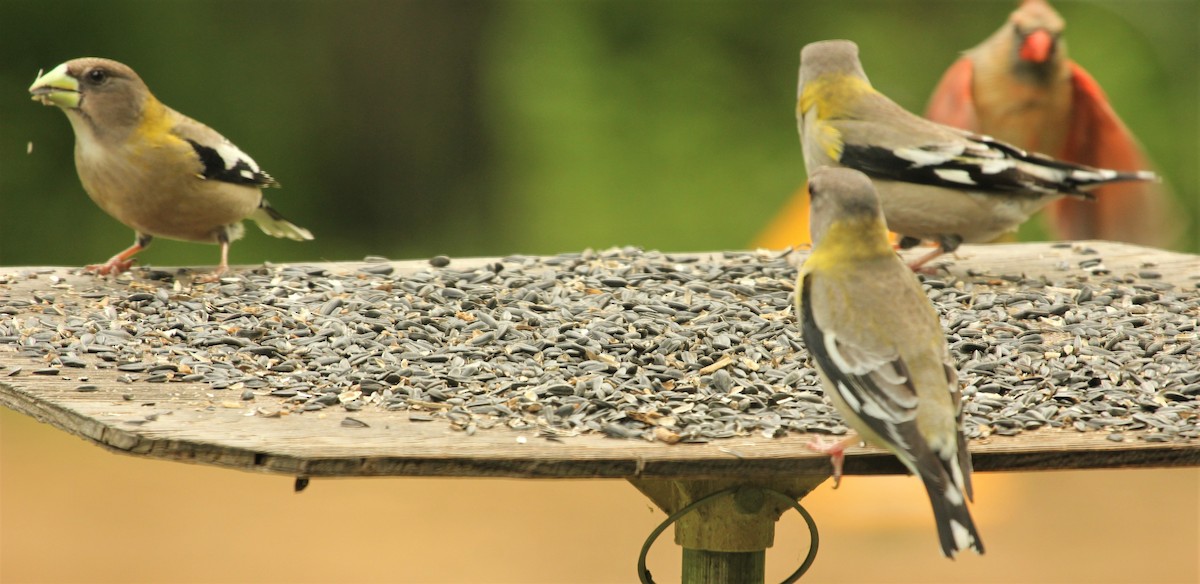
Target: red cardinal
x=1020 y=87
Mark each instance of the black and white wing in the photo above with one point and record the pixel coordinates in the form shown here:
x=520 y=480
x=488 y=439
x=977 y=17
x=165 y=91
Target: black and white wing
x=983 y=164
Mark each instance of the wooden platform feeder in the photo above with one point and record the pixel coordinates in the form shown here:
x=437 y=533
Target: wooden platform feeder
x=722 y=542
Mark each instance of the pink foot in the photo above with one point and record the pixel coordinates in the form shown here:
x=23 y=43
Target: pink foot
x=836 y=451
x=221 y=268
x=213 y=276
x=116 y=265
x=918 y=265
x=122 y=261
x=929 y=270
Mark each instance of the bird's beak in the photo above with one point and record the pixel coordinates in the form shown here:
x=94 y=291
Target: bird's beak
x=56 y=88
x=1037 y=47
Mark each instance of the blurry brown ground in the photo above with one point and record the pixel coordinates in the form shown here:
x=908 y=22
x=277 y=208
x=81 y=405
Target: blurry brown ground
x=72 y=512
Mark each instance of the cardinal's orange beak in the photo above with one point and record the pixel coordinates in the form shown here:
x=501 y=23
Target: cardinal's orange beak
x=1037 y=46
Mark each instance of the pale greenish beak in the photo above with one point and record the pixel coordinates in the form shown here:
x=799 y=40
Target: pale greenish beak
x=56 y=88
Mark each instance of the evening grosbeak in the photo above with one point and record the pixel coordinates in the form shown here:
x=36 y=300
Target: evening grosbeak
x=880 y=350
x=1019 y=86
x=935 y=182
x=156 y=170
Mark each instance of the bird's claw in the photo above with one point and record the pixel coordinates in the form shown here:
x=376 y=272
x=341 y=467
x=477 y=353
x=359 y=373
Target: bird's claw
x=837 y=455
x=927 y=270
x=212 y=276
x=113 y=266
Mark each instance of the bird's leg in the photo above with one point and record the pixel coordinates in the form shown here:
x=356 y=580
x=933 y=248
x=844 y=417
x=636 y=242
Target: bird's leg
x=946 y=244
x=836 y=451
x=918 y=265
x=223 y=266
x=122 y=261
x=909 y=242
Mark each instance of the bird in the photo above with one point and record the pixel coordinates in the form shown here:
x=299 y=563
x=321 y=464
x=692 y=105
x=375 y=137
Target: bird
x=935 y=182
x=154 y=169
x=880 y=350
x=1020 y=86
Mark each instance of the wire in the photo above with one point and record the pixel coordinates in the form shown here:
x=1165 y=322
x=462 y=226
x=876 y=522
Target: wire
x=814 y=538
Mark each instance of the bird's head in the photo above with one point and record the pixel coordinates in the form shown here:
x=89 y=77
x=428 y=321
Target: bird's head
x=93 y=88
x=829 y=58
x=844 y=199
x=1038 y=29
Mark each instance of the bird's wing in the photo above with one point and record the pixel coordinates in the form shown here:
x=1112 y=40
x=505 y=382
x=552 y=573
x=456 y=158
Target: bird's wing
x=977 y=163
x=878 y=387
x=220 y=159
x=1136 y=212
x=874 y=384
x=951 y=102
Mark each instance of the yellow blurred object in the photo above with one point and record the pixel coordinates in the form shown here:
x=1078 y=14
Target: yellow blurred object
x=790 y=226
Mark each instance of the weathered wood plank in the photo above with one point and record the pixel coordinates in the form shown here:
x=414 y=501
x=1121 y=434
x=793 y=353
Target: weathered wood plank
x=192 y=423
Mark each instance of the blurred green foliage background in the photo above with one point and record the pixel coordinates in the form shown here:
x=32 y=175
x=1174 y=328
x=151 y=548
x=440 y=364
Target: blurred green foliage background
x=414 y=128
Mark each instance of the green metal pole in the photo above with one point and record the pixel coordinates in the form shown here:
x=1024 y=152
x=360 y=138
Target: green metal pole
x=708 y=567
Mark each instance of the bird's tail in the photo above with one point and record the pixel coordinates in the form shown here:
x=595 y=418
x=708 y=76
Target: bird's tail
x=956 y=530
x=1080 y=180
x=1100 y=176
x=273 y=224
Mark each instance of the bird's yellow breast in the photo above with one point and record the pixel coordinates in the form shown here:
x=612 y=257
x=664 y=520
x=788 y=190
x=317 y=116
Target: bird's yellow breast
x=849 y=240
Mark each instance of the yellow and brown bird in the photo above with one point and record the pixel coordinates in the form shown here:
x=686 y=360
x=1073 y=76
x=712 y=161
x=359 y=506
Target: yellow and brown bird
x=935 y=182
x=154 y=169
x=879 y=346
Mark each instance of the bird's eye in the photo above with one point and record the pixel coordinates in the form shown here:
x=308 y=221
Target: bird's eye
x=97 y=76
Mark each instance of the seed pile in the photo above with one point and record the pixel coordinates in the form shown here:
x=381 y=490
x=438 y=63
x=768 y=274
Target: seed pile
x=627 y=343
